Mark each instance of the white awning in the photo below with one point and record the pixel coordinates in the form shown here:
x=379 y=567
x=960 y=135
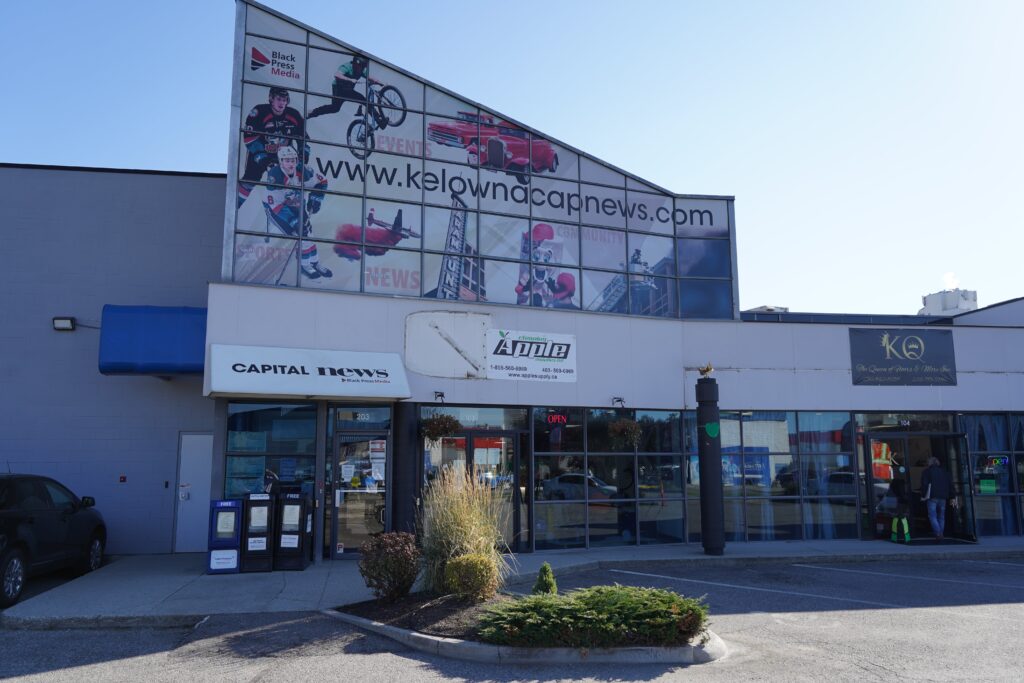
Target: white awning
x=309 y=373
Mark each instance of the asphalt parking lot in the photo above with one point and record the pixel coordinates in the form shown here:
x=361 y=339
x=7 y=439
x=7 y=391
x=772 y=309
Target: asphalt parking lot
x=935 y=620
x=943 y=620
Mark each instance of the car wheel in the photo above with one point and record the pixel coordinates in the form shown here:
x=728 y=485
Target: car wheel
x=554 y=164
x=12 y=577
x=93 y=554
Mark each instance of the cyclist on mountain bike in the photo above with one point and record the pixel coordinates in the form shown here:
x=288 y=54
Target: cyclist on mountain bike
x=344 y=87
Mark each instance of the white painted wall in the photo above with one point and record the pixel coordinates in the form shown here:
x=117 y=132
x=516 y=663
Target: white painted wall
x=650 y=363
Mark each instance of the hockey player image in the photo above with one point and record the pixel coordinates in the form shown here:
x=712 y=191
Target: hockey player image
x=267 y=127
x=380 y=237
x=283 y=205
x=344 y=86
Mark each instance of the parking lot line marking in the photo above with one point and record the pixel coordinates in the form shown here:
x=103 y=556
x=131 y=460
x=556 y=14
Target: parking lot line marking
x=907 y=576
x=1005 y=564
x=887 y=605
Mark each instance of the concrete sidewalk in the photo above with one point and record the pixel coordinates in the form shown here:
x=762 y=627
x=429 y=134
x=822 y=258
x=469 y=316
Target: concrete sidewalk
x=174 y=590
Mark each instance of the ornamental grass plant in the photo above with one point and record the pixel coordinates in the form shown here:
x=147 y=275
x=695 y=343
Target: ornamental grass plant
x=462 y=515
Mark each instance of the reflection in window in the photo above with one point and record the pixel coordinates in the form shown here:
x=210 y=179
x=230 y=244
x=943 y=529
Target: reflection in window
x=660 y=476
x=662 y=522
x=707 y=299
x=559 y=477
x=659 y=431
x=558 y=526
x=705 y=258
x=610 y=430
x=822 y=432
x=612 y=524
x=479 y=417
x=769 y=431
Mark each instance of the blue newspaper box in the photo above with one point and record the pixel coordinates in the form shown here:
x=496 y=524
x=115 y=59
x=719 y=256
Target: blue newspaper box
x=225 y=537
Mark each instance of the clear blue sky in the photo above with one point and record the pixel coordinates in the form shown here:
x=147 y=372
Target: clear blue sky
x=875 y=149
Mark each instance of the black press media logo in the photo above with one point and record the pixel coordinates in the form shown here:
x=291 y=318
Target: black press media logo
x=258 y=60
x=282 y=64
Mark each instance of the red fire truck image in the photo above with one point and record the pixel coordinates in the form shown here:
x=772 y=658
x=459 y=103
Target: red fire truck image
x=499 y=145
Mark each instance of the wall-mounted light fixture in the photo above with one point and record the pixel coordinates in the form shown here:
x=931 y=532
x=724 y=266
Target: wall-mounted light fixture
x=619 y=401
x=439 y=396
x=64 y=324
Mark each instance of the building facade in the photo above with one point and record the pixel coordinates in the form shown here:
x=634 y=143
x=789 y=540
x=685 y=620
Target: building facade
x=382 y=251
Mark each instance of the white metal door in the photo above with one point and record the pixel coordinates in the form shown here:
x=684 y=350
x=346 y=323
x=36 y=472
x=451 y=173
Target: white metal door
x=195 y=466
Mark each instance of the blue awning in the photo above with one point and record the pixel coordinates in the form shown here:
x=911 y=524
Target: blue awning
x=152 y=340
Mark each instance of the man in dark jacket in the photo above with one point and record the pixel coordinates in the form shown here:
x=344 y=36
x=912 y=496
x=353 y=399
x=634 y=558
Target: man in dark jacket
x=936 y=489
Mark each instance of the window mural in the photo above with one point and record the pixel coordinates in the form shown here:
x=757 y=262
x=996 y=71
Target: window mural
x=355 y=176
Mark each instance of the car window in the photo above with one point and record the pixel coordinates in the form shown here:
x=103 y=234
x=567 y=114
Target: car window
x=61 y=497
x=28 y=495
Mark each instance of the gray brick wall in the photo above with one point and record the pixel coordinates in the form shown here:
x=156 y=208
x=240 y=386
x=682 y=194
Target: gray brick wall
x=74 y=240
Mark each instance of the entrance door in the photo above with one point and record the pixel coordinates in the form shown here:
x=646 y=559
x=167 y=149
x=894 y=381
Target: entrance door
x=195 y=471
x=492 y=458
x=895 y=463
x=358 y=491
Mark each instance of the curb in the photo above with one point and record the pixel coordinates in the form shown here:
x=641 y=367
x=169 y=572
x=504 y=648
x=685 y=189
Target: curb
x=106 y=622
x=472 y=651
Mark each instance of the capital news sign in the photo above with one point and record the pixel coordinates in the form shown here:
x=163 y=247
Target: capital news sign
x=902 y=357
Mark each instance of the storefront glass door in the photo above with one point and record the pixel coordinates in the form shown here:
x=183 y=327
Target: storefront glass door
x=894 y=466
x=359 y=495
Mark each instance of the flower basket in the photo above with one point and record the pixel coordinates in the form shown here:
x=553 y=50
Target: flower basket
x=625 y=433
x=436 y=427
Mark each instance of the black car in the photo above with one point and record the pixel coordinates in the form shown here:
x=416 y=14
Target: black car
x=43 y=527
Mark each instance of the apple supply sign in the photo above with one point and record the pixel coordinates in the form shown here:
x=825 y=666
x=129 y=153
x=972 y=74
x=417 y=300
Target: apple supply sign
x=531 y=356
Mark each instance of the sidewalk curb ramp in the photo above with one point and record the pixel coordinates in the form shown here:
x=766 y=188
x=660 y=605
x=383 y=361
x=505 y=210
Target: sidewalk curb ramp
x=472 y=651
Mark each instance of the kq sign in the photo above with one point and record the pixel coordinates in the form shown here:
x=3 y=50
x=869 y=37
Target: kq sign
x=897 y=357
x=271 y=371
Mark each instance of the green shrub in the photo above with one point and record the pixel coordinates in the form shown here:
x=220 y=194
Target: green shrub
x=545 y=583
x=602 y=616
x=389 y=564
x=473 y=576
x=462 y=515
